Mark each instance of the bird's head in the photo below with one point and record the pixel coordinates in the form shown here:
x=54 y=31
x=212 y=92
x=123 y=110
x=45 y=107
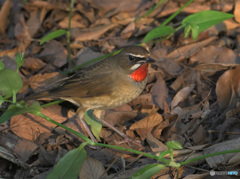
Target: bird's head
x=134 y=61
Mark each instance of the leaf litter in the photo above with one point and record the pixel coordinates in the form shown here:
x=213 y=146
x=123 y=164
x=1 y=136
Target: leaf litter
x=192 y=94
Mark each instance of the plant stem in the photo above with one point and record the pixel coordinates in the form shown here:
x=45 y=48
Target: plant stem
x=151 y=10
x=209 y=155
x=166 y=161
x=52 y=103
x=67 y=128
x=100 y=144
x=176 y=13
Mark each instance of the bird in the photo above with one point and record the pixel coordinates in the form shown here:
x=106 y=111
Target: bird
x=109 y=83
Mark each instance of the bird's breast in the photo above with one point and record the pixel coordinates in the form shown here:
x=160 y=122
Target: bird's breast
x=124 y=91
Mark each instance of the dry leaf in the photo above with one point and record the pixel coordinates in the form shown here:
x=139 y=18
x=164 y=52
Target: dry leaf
x=118 y=117
x=86 y=54
x=33 y=64
x=4 y=13
x=189 y=50
x=181 y=95
x=197 y=176
x=30 y=126
x=21 y=147
x=155 y=144
x=91 y=169
x=213 y=68
x=25 y=148
x=213 y=54
x=117 y=5
x=228 y=87
x=88 y=11
x=234 y=160
x=236 y=11
x=128 y=31
x=41 y=80
x=159 y=92
x=199 y=136
x=75 y=22
x=144 y=126
x=216 y=161
x=22 y=33
x=54 y=53
x=91 y=33
x=187 y=111
x=33 y=22
x=11 y=52
x=143 y=100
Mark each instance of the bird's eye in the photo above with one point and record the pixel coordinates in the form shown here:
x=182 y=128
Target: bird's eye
x=131 y=58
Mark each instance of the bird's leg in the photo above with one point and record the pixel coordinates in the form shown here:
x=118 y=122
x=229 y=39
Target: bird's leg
x=80 y=114
x=127 y=139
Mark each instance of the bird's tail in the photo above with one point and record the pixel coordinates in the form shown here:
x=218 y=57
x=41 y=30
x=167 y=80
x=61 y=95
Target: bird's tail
x=36 y=96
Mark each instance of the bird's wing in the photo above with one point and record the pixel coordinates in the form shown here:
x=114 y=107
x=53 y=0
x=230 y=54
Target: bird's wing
x=93 y=86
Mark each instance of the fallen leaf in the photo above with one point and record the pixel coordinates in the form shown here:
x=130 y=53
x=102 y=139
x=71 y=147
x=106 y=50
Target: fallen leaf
x=128 y=31
x=118 y=5
x=25 y=148
x=91 y=169
x=30 y=126
x=159 y=92
x=118 y=117
x=213 y=54
x=181 y=95
x=76 y=22
x=33 y=22
x=189 y=50
x=144 y=126
x=86 y=54
x=155 y=144
x=228 y=87
x=22 y=33
x=54 y=53
x=21 y=147
x=91 y=33
x=33 y=64
x=212 y=68
x=199 y=136
x=40 y=82
x=216 y=161
x=4 y=13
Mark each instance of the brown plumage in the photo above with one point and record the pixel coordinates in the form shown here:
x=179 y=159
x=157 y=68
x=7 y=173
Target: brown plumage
x=108 y=83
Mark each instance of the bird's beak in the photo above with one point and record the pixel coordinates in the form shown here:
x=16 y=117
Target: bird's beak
x=150 y=60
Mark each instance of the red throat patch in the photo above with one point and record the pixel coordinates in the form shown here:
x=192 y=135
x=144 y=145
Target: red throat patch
x=140 y=74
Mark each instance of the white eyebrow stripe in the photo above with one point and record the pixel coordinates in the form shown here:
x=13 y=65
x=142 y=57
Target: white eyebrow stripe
x=134 y=67
x=141 y=61
x=140 y=56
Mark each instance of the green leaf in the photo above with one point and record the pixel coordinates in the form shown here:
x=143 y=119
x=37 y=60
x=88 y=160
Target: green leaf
x=53 y=35
x=1 y=65
x=91 y=120
x=14 y=110
x=195 y=31
x=148 y=171
x=187 y=31
x=1 y=100
x=163 y=153
x=69 y=166
x=10 y=82
x=203 y=20
x=158 y=32
x=19 y=60
x=174 y=145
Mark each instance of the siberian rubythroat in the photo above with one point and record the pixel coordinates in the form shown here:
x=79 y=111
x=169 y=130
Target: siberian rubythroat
x=109 y=83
